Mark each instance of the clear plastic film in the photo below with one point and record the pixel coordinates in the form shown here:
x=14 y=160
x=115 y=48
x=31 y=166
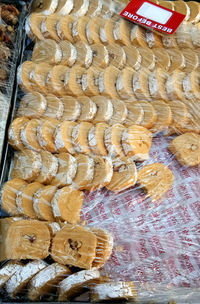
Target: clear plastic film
x=107 y=153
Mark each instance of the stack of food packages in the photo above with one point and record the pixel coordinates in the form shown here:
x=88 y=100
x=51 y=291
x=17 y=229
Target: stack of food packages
x=96 y=91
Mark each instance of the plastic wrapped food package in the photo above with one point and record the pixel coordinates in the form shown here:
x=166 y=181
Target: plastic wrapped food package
x=107 y=157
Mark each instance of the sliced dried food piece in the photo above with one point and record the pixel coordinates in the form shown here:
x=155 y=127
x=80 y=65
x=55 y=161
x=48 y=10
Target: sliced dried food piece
x=84 y=54
x=138 y=36
x=49 y=168
x=33 y=26
x=47 y=51
x=54 y=228
x=124 y=84
x=32 y=105
x=90 y=81
x=59 y=144
x=18 y=282
x=46 y=133
x=9 y=195
x=69 y=53
x=103 y=172
x=75 y=284
x=124 y=174
x=88 y=108
x=182 y=8
x=174 y=85
x=46 y=280
x=191 y=85
x=74 y=245
x=51 y=27
x=42 y=203
x=79 y=29
x=135 y=113
x=94 y=8
x=113 y=291
x=25 y=75
x=169 y=41
x=29 y=135
x=156 y=82
x=67 y=168
x=107 y=81
x=136 y=142
x=42 y=75
x=117 y=55
x=100 y=55
x=168 y=4
x=74 y=82
x=80 y=8
x=122 y=32
x=120 y=112
x=149 y=116
x=183 y=35
x=8 y=270
x=14 y=132
x=66 y=205
x=107 y=29
x=80 y=137
x=104 y=109
x=64 y=28
x=27 y=165
x=162 y=59
x=193 y=123
x=24 y=239
x=113 y=138
x=156 y=179
x=108 y=9
x=64 y=7
x=85 y=171
x=141 y=84
x=104 y=247
x=177 y=59
x=153 y=40
x=66 y=128
x=191 y=60
x=93 y=30
x=179 y=115
x=194 y=12
x=164 y=116
x=133 y=57
x=72 y=108
x=186 y=149
x=96 y=139
x=45 y=7
x=58 y=80
x=148 y=58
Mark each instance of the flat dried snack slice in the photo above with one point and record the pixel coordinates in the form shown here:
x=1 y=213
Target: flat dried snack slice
x=32 y=105
x=100 y=55
x=64 y=7
x=46 y=133
x=64 y=28
x=122 y=32
x=18 y=282
x=133 y=57
x=80 y=8
x=88 y=108
x=96 y=139
x=59 y=144
x=75 y=284
x=67 y=167
x=7 y=271
x=169 y=41
x=74 y=245
x=51 y=26
x=44 y=7
x=124 y=174
x=113 y=291
x=69 y=53
x=156 y=179
x=24 y=239
x=117 y=55
x=41 y=76
x=179 y=115
x=157 y=81
x=149 y=116
x=191 y=60
x=186 y=149
x=33 y=26
x=74 y=83
x=136 y=142
x=113 y=140
x=29 y=135
x=148 y=59
x=182 y=8
x=177 y=59
x=14 y=132
x=58 y=80
x=93 y=30
x=104 y=247
x=72 y=108
x=94 y=8
x=90 y=81
x=46 y=280
x=141 y=84
x=47 y=51
x=85 y=171
x=183 y=35
x=104 y=109
x=66 y=205
x=9 y=195
x=162 y=58
x=174 y=85
x=66 y=128
x=167 y=4
x=164 y=116
x=27 y=165
x=42 y=203
x=80 y=137
x=107 y=81
x=153 y=39
x=194 y=12
x=79 y=29
x=138 y=36
x=103 y=172
x=120 y=112
x=25 y=76
x=108 y=28
x=24 y=199
x=135 y=113
x=84 y=54
x=124 y=84
x=49 y=168
x=193 y=123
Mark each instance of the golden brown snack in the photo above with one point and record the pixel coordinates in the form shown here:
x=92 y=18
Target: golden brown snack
x=107 y=81
x=80 y=137
x=66 y=128
x=26 y=76
x=29 y=135
x=164 y=116
x=120 y=112
x=186 y=149
x=69 y=53
x=157 y=81
x=156 y=179
x=32 y=105
x=179 y=116
x=46 y=133
x=51 y=26
x=100 y=55
x=174 y=85
x=138 y=36
x=88 y=108
x=58 y=80
x=14 y=132
x=141 y=84
x=41 y=76
x=72 y=108
x=117 y=55
x=64 y=28
x=149 y=116
x=177 y=59
x=85 y=171
x=191 y=60
x=33 y=26
x=153 y=39
x=49 y=168
x=124 y=84
x=45 y=7
x=113 y=140
x=90 y=81
x=84 y=54
x=135 y=113
x=194 y=12
x=104 y=109
x=148 y=58
x=47 y=51
x=64 y=7
x=96 y=139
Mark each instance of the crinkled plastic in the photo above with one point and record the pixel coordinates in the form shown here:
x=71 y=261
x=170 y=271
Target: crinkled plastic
x=107 y=155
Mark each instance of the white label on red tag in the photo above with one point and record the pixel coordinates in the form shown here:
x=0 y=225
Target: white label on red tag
x=153 y=16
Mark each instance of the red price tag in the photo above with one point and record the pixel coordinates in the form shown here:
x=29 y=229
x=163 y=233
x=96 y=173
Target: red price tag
x=152 y=15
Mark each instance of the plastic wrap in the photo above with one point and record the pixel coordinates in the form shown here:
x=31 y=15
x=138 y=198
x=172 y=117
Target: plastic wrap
x=103 y=185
